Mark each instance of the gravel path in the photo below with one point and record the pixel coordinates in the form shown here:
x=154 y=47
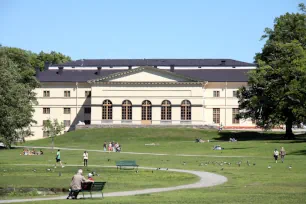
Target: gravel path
x=206 y=180
x=140 y=153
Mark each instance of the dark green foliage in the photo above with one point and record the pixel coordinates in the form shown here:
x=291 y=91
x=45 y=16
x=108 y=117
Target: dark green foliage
x=276 y=92
x=16 y=99
x=17 y=82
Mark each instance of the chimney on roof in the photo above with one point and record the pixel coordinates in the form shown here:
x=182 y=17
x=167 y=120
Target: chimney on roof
x=99 y=71
x=60 y=70
x=172 y=68
x=223 y=62
x=37 y=71
x=46 y=67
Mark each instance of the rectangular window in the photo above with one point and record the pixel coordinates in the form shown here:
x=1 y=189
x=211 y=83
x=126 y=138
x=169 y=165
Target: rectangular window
x=216 y=115
x=46 y=93
x=87 y=122
x=87 y=110
x=46 y=110
x=66 y=93
x=235 y=112
x=45 y=134
x=67 y=110
x=67 y=123
x=45 y=122
x=87 y=93
x=216 y=93
x=235 y=94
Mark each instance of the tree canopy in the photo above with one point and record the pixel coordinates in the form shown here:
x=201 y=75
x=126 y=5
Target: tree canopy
x=276 y=91
x=16 y=99
x=17 y=82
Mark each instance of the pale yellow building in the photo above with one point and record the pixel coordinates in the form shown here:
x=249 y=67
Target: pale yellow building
x=190 y=92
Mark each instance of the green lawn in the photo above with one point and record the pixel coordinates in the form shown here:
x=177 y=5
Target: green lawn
x=246 y=184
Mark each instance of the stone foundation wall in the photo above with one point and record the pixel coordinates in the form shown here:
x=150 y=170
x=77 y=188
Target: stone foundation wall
x=145 y=126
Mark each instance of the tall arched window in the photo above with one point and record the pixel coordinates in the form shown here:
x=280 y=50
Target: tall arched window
x=107 y=110
x=146 y=112
x=126 y=110
x=186 y=110
x=166 y=110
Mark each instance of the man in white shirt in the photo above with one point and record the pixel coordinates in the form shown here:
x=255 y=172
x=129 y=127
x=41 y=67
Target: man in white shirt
x=275 y=154
x=85 y=157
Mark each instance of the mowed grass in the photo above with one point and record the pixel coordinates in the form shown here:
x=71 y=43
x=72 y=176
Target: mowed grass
x=253 y=183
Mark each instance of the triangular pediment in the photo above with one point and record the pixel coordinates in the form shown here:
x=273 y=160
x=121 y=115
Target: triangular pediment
x=145 y=74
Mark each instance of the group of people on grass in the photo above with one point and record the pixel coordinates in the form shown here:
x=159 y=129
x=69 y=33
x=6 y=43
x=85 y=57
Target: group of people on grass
x=281 y=153
x=28 y=152
x=112 y=147
x=78 y=183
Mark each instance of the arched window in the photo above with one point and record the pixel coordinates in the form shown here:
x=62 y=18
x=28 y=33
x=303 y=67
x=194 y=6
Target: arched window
x=146 y=112
x=126 y=110
x=166 y=110
x=107 y=110
x=186 y=110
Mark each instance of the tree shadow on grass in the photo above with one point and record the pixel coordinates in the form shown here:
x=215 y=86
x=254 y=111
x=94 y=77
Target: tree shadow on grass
x=300 y=152
x=248 y=135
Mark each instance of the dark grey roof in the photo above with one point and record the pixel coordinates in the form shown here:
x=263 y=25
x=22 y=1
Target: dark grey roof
x=155 y=62
x=213 y=75
x=216 y=75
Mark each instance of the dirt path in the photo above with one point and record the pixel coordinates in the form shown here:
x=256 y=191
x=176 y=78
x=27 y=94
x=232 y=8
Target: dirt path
x=139 y=153
x=206 y=180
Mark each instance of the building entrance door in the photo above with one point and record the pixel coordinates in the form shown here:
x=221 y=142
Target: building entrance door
x=146 y=113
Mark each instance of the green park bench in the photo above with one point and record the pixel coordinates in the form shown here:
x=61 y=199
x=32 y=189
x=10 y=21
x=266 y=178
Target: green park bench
x=91 y=187
x=120 y=164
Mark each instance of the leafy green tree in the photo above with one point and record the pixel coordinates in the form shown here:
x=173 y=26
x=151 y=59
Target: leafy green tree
x=276 y=92
x=16 y=100
x=53 y=128
x=52 y=58
x=27 y=62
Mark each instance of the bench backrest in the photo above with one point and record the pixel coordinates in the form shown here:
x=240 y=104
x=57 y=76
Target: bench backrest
x=98 y=186
x=131 y=163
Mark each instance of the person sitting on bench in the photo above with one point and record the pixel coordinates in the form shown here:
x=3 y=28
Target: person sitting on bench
x=76 y=184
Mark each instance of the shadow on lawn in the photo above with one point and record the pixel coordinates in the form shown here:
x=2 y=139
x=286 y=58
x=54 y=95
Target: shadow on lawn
x=300 y=152
x=246 y=136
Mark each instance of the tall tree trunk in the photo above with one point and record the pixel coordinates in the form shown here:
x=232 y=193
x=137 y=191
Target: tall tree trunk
x=289 y=133
x=52 y=143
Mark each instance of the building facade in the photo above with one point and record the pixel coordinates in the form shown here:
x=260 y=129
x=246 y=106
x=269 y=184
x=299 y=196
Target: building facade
x=141 y=92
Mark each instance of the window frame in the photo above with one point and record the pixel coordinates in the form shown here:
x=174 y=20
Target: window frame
x=69 y=110
x=46 y=93
x=87 y=108
x=146 y=110
x=126 y=110
x=216 y=115
x=166 y=111
x=67 y=94
x=46 y=110
x=67 y=121
x=186 y=110
x=107 y=110
x=87 y=94
x=235 y=112
x=216 y=94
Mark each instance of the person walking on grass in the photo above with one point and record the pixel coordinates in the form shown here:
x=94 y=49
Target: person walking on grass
x=85 y=157
x=58 y=158
x=104 y=146
x=275 y=154
x=282 y=154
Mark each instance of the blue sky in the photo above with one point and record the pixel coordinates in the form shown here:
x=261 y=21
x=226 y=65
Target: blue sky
x=141 y=28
